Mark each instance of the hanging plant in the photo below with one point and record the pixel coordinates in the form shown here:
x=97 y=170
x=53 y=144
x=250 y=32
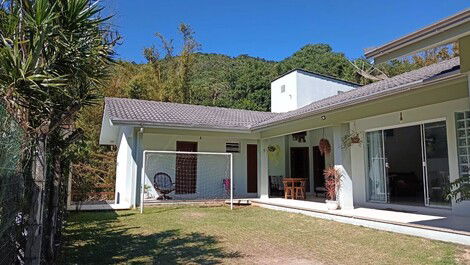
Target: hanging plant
x=272 y=148
x=299 y=137
x=353 y=137
x=324 y=146
x=274 y=153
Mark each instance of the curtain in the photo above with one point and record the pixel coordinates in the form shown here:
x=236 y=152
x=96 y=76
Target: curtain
x=377 y=184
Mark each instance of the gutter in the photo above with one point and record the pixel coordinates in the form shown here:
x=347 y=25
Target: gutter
x=178 y=126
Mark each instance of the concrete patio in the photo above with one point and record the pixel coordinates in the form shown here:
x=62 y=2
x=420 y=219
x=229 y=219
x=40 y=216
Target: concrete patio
x=442 y=227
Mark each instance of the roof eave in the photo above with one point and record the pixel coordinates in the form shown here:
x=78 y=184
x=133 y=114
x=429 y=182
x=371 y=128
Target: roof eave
x=439 y=33
x=178 y=126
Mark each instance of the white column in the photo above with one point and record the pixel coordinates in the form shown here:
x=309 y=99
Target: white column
x=342 y=161
x=264 y=178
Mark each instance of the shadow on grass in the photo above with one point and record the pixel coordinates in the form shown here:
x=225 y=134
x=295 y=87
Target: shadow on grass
x=101 y=241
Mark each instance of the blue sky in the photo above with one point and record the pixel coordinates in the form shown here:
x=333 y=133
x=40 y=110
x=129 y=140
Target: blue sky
x=273 y=29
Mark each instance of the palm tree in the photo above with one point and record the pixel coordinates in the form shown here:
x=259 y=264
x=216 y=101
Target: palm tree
x=53 y=54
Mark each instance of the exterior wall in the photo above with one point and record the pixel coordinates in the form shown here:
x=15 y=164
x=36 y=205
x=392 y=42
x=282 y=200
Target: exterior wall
x=445 y=110
x=277 y=160
x=302 y=89
x=287 y=100
x=312 y=88
x=125 y=167
x=165 y=142
x=464 y=54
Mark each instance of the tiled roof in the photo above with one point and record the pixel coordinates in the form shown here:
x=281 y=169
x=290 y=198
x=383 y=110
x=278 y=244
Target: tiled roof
x=144 y=112
x=134 y=111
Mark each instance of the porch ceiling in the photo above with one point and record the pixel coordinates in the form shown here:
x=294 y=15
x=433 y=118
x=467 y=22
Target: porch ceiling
x=438 y=92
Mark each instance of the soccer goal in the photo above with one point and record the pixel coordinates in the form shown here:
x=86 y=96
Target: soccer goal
x=173 y=176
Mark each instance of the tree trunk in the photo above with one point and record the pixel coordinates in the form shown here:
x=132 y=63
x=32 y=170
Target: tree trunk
x=35 y=227
x=54 y=206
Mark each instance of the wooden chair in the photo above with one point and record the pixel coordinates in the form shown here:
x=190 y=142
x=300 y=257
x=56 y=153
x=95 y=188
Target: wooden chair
x=276 y=187
x=289 y=189
x=299 y=191
x=163 y=185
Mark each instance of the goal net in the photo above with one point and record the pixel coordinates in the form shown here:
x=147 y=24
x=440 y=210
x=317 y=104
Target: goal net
x=186 y=176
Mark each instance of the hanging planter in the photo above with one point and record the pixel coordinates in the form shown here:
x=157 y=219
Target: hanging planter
x=274 y=153
x=353 y=137
x=324 y=146
x=272 y=148
x=299 y=137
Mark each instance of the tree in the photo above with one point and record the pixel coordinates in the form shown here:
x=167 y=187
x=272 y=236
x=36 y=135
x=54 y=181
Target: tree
x=173 y=73
x=53 y=55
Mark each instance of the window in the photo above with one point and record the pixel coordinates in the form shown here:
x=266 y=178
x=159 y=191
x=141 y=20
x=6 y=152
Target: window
x=462 y=120
x=232 y=147
x=283 y=88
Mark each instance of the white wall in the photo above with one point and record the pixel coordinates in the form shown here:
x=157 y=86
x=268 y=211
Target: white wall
x=301 y=89
x=125 y=165
x=287 y=100
x=277 y=160
x=444 y=110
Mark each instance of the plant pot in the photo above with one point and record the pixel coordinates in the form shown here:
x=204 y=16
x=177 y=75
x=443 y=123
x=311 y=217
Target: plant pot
x=332 y=205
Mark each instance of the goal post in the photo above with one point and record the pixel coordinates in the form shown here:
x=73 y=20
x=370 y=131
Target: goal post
x=186 y=176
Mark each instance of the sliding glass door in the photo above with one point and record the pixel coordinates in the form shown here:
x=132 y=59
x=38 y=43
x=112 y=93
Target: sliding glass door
x=376 y=180
x=436 y=163
x=404 y=165
x=408 y=165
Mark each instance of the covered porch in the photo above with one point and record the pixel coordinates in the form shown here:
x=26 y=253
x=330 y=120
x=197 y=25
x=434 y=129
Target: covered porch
x=303 y=156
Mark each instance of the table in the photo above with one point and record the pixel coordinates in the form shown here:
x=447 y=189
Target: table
x=294 y=188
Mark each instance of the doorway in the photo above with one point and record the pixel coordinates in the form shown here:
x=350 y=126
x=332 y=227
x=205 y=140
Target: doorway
x=408 y=165
x=404 y=165
x=186 y=168
x=318 y=168
x=252 y=168
x=299 y=161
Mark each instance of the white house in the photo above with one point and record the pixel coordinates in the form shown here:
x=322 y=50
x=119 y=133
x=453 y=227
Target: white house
x=414 y=130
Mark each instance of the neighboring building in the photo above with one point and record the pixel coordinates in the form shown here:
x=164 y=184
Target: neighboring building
x=415 y=130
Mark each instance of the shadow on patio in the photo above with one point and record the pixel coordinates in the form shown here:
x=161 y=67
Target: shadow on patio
x=102 y=240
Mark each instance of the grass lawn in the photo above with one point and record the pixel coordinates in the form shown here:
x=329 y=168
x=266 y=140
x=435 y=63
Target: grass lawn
x=246 y=235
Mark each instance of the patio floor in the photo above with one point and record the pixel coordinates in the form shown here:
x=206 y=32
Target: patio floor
x=440 y=227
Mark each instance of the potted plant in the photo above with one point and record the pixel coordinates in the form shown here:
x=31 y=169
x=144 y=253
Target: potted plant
x=353 y=137
x=147 y=191
x=332 y=184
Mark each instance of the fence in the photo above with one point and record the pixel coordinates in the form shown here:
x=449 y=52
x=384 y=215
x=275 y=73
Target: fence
x=12 y=192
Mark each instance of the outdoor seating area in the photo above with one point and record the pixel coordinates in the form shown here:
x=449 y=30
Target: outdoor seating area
x=294 y=188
